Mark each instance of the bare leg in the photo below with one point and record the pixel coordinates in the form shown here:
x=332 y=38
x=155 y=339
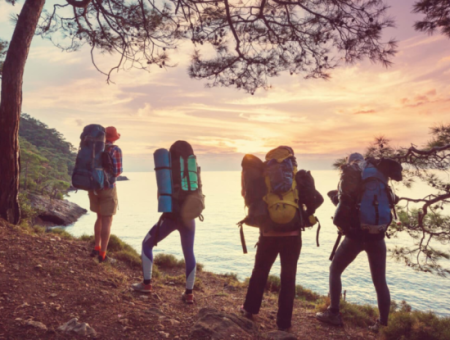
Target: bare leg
x=106 y=231
x=98 y=231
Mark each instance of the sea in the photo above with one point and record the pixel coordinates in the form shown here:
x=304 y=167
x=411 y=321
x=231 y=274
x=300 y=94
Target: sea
x=218 y=246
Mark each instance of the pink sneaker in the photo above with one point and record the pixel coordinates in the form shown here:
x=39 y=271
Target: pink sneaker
x=188 y=298
x=142 y=287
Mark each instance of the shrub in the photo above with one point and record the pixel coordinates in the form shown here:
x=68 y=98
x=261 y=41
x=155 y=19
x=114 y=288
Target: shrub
x=61 y=233
x=38 y=230
x=273 y=284
x=306 y=294
x=168 y=261
x=88 y=238
x=230 y=276
x=28 y=213
x=116 y=244
x=133 y=260
x=416 y=326
x=357 y=315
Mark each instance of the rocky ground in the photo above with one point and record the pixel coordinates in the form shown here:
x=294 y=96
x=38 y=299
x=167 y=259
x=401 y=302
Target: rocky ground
x=51 y=289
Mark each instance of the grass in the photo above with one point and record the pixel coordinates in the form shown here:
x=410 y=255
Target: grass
x=168 y=261
x=61 y=233
x=306 y=294
x=357 y=315
x=230 y=276
x=231 y=281
x=404 y=324
x=415 y=325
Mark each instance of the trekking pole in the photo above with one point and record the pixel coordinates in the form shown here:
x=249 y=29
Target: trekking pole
x=318 y=231
x=338 y=240
x=241 y=232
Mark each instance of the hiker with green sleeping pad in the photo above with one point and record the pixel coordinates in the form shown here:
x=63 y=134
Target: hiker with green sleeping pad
x=281 y=201
x=180 y=200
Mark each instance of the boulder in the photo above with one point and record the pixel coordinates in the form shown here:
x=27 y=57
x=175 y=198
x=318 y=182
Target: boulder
x=122 y=178
x=54 y=212
x=81 y=328
x=36 y=324
x=213 y=325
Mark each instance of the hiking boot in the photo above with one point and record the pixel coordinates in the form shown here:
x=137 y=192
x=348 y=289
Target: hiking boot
x=142 y=287
x=188 y=298
x=376 y=327
x=94 y=253
x=287 y=330
x=244 y=313
x=329 y=317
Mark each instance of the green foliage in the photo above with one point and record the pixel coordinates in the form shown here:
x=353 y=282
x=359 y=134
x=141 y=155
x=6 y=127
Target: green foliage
x=273 y=283
x=306 y=294
x=353 y=314
x=121 y=251
x=416 y=325
x=51 y=144
x=358 y=315
x=230 y=276
x=168 y=261
x=27 y=211
x=47 y=160
x=61 y=233
x=116 y=244
x=3 y=50
x=131 y=258
x=435 y=223
x=87 y=238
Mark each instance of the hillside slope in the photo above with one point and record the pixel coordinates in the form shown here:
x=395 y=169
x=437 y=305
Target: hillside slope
x=50 y=280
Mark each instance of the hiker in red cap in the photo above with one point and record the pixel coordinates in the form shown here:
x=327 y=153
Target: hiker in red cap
x=104 y=202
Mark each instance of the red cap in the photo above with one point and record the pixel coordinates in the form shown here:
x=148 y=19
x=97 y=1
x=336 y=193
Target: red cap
x=111 y=134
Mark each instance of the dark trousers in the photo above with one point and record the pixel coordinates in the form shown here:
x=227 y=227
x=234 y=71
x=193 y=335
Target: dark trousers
x=346 y=253
x=268 y=248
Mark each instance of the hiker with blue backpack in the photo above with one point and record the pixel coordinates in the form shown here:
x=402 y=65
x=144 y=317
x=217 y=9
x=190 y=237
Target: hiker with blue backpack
x=181 y=201
x=281 y=202
x=365 y=204
x=98 y=164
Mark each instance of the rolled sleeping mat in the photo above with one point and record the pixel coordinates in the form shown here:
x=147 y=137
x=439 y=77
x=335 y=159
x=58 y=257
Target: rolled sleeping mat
x=163 y=170
x=192 y=169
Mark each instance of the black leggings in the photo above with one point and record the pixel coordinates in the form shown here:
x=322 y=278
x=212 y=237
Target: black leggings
x=346 y=253
x=268 y=249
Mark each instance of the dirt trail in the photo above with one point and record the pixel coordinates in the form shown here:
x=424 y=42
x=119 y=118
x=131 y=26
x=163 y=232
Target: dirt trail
x=51 y=280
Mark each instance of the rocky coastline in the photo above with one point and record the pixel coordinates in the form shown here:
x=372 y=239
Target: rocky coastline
x=54 y=212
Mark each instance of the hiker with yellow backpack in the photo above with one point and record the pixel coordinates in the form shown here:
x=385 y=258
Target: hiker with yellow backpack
x=281 y=201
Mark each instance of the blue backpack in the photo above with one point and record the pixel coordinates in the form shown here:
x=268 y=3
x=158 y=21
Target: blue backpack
x=88 y=173
x=375 y=200
x=281 y=174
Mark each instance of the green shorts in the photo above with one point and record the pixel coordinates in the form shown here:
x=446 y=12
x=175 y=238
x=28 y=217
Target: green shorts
x=104 y=202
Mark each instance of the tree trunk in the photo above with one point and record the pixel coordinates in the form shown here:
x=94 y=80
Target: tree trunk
x=11 y=106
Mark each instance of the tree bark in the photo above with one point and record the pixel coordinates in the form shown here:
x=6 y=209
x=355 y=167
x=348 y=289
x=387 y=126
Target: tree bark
x=11 y=106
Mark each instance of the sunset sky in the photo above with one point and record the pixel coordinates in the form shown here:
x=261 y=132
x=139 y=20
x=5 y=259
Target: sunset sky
x=321 y=120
